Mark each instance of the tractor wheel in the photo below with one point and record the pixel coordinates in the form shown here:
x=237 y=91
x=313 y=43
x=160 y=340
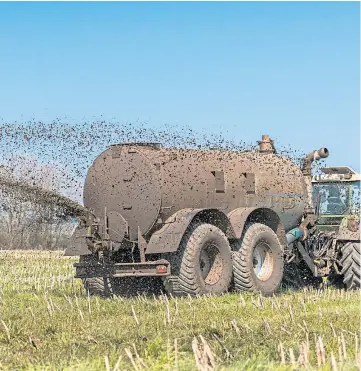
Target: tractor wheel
x=351 y=265
x=258 y=262
x=203 y=264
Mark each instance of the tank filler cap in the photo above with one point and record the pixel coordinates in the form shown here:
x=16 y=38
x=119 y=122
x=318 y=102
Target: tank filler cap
x=266 y=144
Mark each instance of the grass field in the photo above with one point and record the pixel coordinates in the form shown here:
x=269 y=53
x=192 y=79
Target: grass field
x=48 y=323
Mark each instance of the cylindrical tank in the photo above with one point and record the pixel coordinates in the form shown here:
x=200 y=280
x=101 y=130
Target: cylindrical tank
x=141 y=185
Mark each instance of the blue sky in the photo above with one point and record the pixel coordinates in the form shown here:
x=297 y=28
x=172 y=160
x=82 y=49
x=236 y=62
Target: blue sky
x=291 y=70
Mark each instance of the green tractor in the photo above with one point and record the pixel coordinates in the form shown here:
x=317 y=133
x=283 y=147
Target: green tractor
x=330 y=252
x=336 y=241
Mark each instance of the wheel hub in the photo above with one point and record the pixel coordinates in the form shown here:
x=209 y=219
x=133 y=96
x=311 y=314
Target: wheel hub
x=262 y=261
x=210 y=263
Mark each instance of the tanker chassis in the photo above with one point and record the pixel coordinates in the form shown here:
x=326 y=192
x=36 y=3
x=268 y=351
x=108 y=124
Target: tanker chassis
x=199 y=221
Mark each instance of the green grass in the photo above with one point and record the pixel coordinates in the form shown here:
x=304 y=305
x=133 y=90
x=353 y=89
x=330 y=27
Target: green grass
x=48 y=323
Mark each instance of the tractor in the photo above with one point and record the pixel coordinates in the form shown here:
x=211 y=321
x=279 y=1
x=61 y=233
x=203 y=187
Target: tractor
x=336 y=192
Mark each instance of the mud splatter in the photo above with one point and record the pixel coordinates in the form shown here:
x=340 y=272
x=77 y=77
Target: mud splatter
x=45 y=163
x=76 y=146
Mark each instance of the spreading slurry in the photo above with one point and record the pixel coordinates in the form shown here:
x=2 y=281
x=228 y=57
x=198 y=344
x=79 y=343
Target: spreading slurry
x=70 y=150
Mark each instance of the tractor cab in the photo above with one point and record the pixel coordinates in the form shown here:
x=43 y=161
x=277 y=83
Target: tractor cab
x=336 y=195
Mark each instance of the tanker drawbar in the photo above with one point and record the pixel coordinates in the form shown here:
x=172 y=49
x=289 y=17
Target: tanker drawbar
x=192 y=220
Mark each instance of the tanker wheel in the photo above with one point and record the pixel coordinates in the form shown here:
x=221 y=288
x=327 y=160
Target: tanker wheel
x=171 y=284
x=203 y=264
x=258 y=262
x=351 y=265
x=95 y=286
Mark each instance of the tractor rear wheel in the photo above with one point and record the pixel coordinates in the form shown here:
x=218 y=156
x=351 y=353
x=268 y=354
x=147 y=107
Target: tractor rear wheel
x=351 y=265
x=258 y=261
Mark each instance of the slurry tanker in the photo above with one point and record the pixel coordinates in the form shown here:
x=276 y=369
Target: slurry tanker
x=199 y=221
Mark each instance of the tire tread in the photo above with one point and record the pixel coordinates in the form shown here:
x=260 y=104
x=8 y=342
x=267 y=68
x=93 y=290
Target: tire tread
x=351 y=265
x=243 y=280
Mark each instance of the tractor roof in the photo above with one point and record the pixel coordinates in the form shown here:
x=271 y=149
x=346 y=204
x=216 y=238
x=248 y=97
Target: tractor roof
x=337 y=174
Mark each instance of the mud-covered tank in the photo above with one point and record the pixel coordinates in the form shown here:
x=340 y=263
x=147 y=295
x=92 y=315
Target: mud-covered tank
x=142 y=185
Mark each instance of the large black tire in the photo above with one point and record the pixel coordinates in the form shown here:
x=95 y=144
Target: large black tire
x=125 y=286
x=351 y=265
x=203 y=263
x=97 y=286
x=258 y=262
x=171 y=283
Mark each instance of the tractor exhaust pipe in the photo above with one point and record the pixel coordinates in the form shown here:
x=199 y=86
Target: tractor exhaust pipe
x=307 y=173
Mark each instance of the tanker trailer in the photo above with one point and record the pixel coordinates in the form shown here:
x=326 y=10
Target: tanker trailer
x=189 y=217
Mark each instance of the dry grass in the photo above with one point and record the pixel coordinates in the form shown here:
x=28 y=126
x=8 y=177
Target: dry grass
x=48 y=323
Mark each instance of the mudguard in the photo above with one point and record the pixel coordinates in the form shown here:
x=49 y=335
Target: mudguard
x=238 y=217
x=345 y=234
x=168 y=238
x=78 y=245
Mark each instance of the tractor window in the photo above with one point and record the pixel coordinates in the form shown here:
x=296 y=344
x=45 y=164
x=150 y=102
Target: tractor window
x=334 y=198
x=355 y=198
